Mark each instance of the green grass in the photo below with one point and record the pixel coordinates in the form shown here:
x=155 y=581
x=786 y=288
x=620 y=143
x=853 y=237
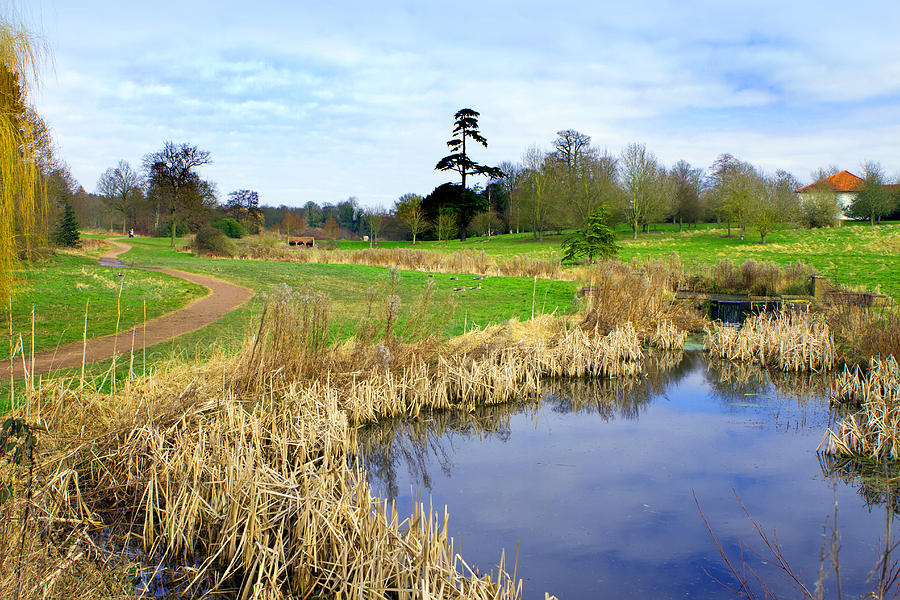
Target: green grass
x=853 y=255
x=61 y=289
x=349 y=287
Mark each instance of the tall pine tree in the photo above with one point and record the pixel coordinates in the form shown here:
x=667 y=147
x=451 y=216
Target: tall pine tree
x=466 y=127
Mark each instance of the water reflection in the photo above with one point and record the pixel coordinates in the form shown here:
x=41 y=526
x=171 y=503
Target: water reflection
x=593 y=480
x=878 y=484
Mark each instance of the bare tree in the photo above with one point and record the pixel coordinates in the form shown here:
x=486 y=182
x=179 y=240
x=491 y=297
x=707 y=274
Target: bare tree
x=874 y=200
x=410 y=212
x=773 y=202
x=121 y=188
x=536 y=186
x=172 y=170
x=640 y=180
x=717 y=181
x=509 y=182
x=374 y=219
x=573 y=148
x=445 y=225
x=686 y=183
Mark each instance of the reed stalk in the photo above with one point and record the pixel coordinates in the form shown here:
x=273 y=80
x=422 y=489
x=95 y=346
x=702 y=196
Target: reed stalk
x=873 y=429
x=790 y=341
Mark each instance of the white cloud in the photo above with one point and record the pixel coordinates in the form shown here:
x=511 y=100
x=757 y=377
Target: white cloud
x=358 y=100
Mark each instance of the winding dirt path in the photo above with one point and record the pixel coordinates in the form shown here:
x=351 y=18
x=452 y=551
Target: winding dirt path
x=223 y=298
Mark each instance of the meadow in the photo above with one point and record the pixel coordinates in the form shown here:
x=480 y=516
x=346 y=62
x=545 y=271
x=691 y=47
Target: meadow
x=854 y=255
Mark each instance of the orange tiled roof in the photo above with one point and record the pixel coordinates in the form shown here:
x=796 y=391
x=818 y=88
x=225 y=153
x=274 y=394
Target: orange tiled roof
x=845 y=181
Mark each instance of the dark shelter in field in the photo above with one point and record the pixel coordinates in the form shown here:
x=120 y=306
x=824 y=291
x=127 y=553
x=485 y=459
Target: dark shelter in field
x=308 y=242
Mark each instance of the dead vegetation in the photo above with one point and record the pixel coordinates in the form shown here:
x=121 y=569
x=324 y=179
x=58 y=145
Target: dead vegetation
x=873 y=430
x=413 y=259
x=751 y=277
x=788 y=340
x=234 y=475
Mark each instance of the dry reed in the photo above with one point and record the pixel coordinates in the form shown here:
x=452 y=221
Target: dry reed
x=790 y=341
x=244 y=482
x=874 y=430
x=641 y=294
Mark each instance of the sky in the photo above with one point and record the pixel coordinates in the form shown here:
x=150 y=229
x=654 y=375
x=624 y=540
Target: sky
x=321 y=101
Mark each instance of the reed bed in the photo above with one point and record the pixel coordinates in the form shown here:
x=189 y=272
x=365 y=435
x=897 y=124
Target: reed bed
x=402 y=379
x=751 y=277
x=864 y=332
x=235 y=474
x=873 y=431
x=252 y=494
x=790 y=341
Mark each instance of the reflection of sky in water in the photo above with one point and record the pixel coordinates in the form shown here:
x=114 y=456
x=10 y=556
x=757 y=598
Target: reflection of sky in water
x=601 y=505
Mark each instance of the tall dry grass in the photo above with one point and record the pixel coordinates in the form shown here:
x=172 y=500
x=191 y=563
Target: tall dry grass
x=252 y=493
x=788 y=340
x=396 y=377
x=641 y=294
x=414 y=259
x=864 y=332
x=751 y=277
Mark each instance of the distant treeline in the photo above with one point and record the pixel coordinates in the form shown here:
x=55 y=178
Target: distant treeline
x=546 y=191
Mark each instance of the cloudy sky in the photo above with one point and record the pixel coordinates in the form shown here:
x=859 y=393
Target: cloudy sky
x=320 y=101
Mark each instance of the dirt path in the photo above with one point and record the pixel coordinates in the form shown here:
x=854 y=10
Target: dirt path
x=223 y=298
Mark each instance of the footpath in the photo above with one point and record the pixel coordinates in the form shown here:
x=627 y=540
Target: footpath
x=223 y=297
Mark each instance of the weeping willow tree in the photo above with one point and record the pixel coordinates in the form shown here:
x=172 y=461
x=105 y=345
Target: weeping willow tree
x=23 y=201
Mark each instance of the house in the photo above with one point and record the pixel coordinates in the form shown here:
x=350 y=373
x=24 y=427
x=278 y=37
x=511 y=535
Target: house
x=845 y=186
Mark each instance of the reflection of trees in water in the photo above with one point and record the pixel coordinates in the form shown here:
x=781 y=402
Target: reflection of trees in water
x=732 y=381
x=877 y=483
x=385 y=446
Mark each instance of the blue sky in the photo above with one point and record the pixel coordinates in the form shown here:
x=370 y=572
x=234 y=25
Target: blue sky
x=320 y=101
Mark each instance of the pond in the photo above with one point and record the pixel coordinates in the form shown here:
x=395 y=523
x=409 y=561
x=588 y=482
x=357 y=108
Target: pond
x=593 y=484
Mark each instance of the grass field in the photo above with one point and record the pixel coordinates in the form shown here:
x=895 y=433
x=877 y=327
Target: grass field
x=61 y=289
x=854 y=255
x=350 y=287
x=353 y=291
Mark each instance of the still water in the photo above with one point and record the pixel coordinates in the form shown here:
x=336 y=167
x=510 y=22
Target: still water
x=594 y=483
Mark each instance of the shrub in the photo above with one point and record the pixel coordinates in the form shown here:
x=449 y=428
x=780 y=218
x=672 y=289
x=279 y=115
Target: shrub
x=211 y=241
x=230 y=227
x=165 y=230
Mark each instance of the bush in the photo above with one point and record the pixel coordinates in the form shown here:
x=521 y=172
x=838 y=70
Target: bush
x=165 y=230
x=211 y=241
x=230 y=227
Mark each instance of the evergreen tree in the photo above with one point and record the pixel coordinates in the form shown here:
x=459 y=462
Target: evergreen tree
x=465 y=127
x=67 y=234
x=595 y=239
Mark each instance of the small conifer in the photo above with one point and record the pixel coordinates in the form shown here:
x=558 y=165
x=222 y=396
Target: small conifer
x=67 y=235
